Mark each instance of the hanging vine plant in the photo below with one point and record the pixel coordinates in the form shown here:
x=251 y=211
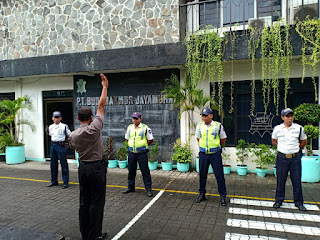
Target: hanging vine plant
x=232 y=38
x=276 y=53
x=253 y=44
x=309 y=31
x=204 y=59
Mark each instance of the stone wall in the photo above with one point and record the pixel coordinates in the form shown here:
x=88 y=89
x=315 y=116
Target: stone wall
x=51 y=27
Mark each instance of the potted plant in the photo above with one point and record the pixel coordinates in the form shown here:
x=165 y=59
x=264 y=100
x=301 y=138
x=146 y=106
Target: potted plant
x=182 y=154
x=273 y=160
x=2 y=154
x=122 y=154
x=263 y=155
x=242 y=153
x=309 y=113
x=167 y=164
x=109 y=153
x=10 y=122
x=153 y=156
x=226 y=162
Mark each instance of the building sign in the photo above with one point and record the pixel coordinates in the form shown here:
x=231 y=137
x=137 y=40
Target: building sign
x=125 y=100
x=261 y=123
x=127 y=93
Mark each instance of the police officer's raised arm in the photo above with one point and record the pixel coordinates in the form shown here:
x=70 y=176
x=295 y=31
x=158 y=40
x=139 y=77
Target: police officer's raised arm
x=103 y=97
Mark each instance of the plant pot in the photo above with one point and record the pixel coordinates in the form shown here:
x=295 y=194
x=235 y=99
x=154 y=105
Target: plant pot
x=310 y=169
x=275 y=171
x=112 y=163
x=15 y=155
x=242 y=170
x=183 y=167
x=122 y=163
x=210 y=170
x=261 y=172
x=153 y=165
x=226 y=169
x=166 y=166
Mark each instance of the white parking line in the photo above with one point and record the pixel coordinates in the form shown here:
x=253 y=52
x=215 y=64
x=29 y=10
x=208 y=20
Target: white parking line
x=136 y=218
x=275 y=214
x=237 y=236
x=313 y=231
x=270 y=204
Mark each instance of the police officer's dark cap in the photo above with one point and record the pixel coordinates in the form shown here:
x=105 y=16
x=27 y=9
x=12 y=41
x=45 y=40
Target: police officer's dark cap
x=286 y=111
x=136 y=115
x=56 y=114
x=206 y=111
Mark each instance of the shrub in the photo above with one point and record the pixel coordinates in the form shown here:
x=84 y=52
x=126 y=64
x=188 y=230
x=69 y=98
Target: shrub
x=181 y=152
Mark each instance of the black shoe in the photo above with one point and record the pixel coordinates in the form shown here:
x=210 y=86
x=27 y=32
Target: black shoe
x=277 y=205
x=65 y=186
x=52 y=184
x=223 y=201
x=103 y=236
x=301 y=208
x=201 y=197
x=149 y=193
x=128 y=190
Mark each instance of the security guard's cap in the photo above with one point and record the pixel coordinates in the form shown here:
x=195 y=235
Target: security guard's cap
x=206 y=111
x=56 y=114
x=136 y=115
x=286 y=111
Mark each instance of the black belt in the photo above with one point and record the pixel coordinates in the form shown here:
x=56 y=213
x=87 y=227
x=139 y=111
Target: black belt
x=290 y=155
x=90 y=162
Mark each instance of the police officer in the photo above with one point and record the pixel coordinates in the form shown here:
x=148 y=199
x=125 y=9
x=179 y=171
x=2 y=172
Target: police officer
x=211 y=136
x=58 y=132
x=139 y=137
x=289 y=138
x=87 y=141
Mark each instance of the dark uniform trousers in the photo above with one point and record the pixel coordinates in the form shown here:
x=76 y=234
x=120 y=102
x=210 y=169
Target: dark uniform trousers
x=283 y=166
x=59 y=152
x=142 y=159
x=92 y=180
x=216 y=162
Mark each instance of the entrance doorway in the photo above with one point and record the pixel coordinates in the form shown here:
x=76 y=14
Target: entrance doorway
x=65 y=106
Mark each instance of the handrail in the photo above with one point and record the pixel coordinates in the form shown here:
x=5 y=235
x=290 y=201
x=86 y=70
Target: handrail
x=197 y=3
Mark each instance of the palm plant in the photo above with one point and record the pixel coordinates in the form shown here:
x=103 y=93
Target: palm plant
x=154 y=151
x=10 y=120
x=187 y=98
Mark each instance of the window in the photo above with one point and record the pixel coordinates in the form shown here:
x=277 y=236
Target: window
x=229 y=13
x=9 y=96
x=238 y=124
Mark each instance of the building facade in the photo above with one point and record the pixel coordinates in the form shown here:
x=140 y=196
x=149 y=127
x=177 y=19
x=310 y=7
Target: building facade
x=53 y=51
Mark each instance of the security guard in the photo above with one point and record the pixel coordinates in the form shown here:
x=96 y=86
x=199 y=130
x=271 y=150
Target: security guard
x=139 y=137
x=289 y=138
x=211 y=136
x=58 y=132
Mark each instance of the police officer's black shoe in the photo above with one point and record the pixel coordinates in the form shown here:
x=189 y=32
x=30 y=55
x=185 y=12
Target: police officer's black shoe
x=301 y=208
x=65 y=186
x=277 y=205
x=149 y=193
x=103 y=236
x=201 y=197
x=128 y=190
x=223 y=201
x=53 y=184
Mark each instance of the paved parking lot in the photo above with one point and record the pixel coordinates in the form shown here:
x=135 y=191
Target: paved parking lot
x=29 y=210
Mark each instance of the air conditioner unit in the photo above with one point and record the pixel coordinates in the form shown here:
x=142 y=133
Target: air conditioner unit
x=267 y=20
